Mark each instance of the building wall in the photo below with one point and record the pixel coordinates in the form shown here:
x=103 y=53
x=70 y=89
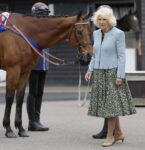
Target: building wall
x=67 y=74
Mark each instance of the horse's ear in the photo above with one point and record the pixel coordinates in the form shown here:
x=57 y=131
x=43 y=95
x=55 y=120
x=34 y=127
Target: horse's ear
x=130 y=12
x=88 y=14
x=79 y=15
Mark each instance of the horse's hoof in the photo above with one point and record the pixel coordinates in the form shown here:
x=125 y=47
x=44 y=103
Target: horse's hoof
x=23 y=134
x=10 y=134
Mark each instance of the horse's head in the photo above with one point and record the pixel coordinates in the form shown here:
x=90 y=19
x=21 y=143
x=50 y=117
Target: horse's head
x=129 y=22
x=133 y=22
x=80 y=37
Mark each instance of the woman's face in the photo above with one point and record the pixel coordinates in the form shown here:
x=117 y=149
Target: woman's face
x=103 y=23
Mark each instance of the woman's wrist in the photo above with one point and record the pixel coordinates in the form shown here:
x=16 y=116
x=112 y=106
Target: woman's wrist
x=119 y=78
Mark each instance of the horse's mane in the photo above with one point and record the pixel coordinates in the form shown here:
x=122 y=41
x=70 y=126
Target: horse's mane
x=44 y=16
x=40 y=16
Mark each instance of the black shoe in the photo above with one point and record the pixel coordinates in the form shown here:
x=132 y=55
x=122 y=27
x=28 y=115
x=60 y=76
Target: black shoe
x=42 y=126
x=35 y=126
x=100 y=135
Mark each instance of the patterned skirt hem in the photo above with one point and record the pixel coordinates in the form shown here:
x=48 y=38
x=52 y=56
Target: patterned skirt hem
x=110 y=116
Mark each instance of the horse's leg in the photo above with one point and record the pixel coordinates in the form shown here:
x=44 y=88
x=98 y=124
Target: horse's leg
x=11 y=81
x=19 y=102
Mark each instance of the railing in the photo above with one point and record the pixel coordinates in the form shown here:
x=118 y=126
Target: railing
x=136 y=81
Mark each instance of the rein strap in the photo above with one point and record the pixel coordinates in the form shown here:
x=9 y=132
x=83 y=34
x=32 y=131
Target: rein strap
x=40 y=54
x=32 y=43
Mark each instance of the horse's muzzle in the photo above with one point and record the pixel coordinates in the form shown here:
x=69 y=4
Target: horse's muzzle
x=84 y=59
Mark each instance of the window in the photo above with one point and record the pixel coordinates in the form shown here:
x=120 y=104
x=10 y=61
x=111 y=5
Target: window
x=3 y=7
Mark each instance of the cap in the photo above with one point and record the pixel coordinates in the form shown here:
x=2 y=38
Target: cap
x=40 y=8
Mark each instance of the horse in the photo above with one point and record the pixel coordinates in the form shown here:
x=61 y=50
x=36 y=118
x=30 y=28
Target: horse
x=18 y=58
x=131 y=22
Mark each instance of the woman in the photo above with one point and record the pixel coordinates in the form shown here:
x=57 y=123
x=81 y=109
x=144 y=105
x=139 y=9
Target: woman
x=110 y=96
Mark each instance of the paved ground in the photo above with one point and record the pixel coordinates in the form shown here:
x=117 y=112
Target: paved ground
x=54 y=93
x=71 y=128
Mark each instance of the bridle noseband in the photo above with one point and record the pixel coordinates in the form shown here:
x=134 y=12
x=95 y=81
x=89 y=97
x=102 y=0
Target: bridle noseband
x=80 y=45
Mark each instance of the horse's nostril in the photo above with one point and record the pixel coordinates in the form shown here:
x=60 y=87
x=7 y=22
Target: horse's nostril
x=84 y=59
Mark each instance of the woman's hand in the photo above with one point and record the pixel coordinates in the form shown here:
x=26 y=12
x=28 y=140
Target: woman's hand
x=118 y=82
x=88 y=75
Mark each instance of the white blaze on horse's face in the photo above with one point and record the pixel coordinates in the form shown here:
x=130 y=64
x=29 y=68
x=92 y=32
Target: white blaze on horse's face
x=135 y=18
x=103 y=23
x=80 y=35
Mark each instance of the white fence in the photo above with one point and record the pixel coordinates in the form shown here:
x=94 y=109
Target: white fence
x=2 y=78
x=130 y=60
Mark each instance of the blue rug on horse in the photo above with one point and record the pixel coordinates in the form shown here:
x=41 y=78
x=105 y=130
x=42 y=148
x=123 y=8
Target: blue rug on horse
x=2 y=28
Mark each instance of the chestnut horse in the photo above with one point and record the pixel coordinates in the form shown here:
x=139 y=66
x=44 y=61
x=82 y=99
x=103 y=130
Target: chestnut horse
x=18 y=58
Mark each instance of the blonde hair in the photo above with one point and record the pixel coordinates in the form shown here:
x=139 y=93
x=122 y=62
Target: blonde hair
x=106 y=12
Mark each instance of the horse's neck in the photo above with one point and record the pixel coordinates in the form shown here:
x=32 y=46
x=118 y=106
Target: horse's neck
x=57 y=30
x=46 y=31
x=123 y=24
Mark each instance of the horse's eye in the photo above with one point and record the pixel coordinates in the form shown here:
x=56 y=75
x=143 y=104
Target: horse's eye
x=80 y=32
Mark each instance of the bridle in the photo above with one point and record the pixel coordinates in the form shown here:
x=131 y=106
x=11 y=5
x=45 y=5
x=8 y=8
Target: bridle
x=80 y=45
x=80 y=55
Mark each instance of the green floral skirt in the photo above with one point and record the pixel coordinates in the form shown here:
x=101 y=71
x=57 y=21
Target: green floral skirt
x=106 y=100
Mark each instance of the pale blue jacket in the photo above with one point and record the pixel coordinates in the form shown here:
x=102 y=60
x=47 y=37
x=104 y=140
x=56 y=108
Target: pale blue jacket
x=109 y=53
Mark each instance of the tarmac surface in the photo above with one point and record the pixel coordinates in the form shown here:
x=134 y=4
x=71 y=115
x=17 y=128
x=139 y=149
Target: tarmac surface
x=70 y=126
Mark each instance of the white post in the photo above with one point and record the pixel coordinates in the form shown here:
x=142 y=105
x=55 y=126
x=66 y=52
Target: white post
x=51 y=8
x=130 y=59
x=2 y=77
